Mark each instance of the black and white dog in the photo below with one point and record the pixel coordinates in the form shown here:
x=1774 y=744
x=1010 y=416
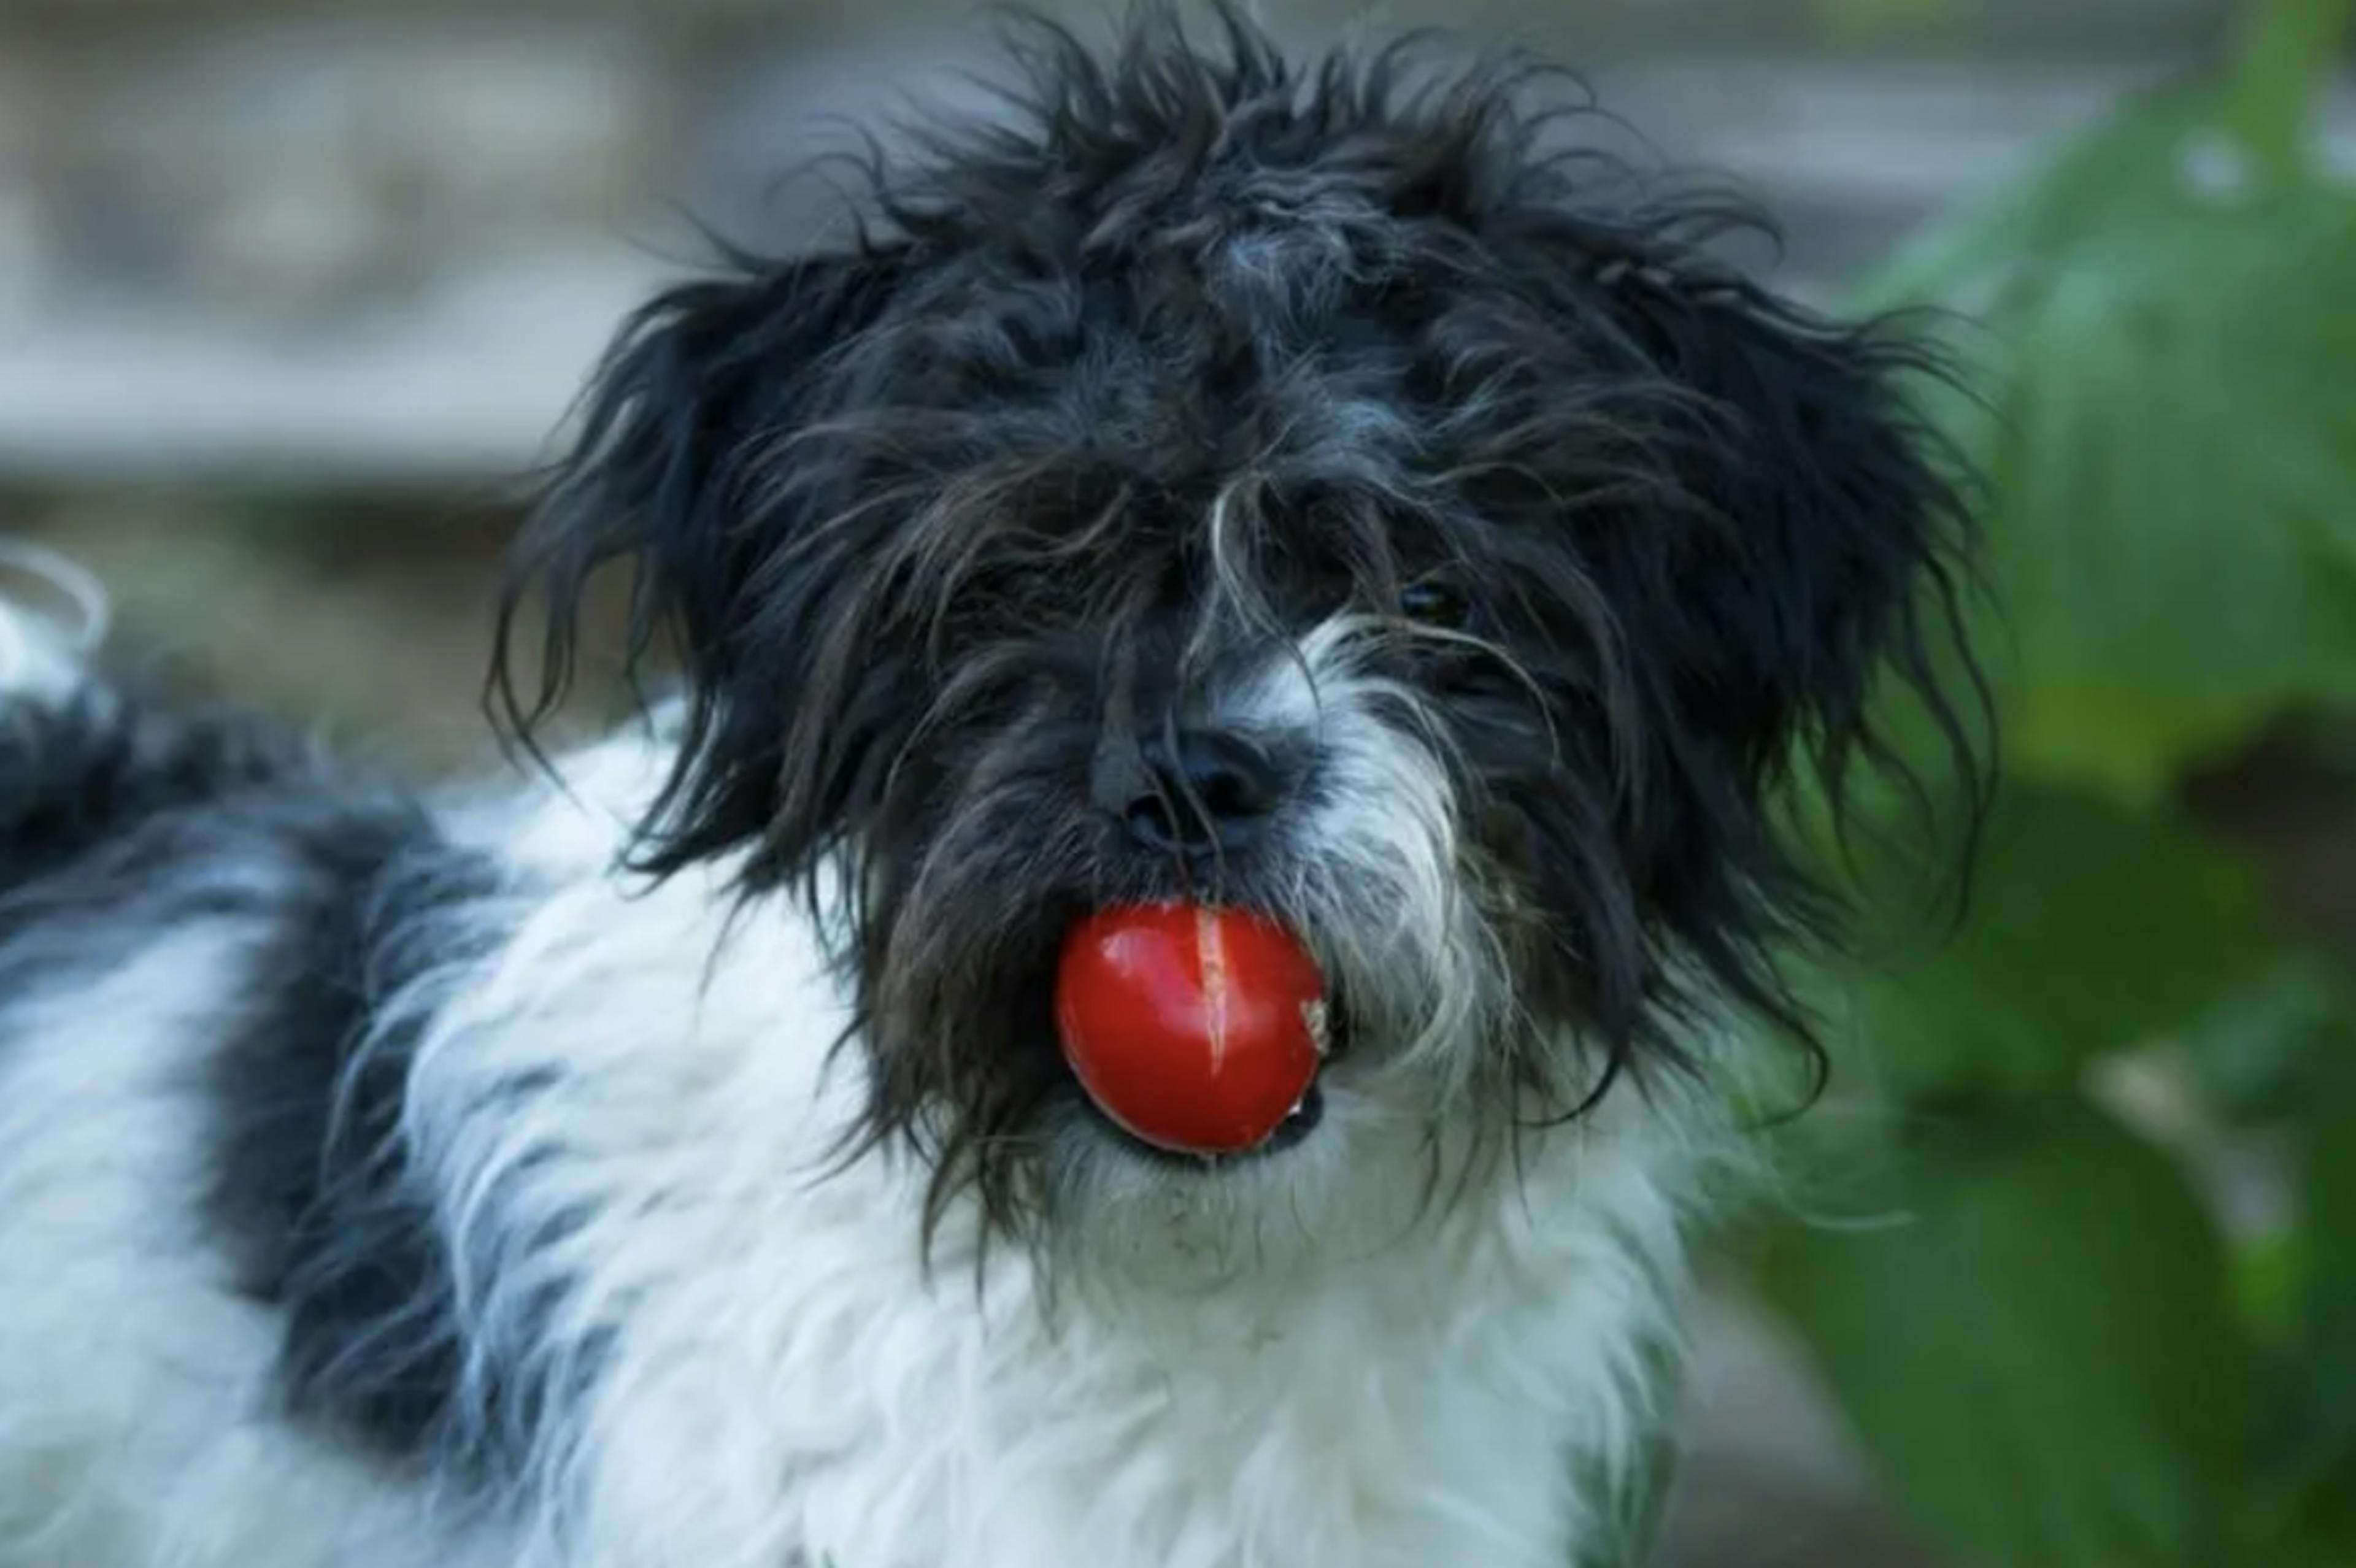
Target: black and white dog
x=1301 y=490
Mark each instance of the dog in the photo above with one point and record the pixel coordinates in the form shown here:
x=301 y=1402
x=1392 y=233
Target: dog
x=1316 y=489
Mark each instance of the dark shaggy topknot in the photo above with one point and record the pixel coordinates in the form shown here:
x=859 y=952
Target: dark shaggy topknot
x=892 y=506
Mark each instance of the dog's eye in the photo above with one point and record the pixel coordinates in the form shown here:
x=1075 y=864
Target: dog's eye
x=1433 y=602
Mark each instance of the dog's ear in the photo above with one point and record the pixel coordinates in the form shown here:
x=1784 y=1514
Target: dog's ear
x=1798 y=589
x=1827 y=542
x=688 y=473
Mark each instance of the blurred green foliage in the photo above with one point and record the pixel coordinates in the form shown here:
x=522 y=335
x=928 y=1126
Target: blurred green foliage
x=2024 y=1292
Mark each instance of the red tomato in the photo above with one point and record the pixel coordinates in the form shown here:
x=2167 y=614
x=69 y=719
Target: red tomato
x=1196 y=1029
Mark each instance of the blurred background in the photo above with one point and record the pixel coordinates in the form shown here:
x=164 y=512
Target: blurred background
x=294 y=293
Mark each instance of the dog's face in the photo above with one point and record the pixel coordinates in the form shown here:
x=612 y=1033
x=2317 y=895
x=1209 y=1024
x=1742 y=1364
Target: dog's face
x=1291 y=492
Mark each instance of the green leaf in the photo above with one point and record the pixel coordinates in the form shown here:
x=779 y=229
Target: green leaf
x=2281 y=1045
x=2323 y=1533
x=2093 y=928
x=2171 y=451
x=2174 y=482
x=2028 y=1329
x=2326 y=1202
x=2289 y=49
x=2327 y=1210
x=2130 y=737
x=2312 y=1492
x=1968 y=258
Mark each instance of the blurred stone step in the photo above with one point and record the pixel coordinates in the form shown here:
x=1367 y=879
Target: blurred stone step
x=465 y=390
x=270 y=339
x=1769 y=1476
x=1617 y=26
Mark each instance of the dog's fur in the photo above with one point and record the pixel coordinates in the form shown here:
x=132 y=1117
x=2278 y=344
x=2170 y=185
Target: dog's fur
x=669 y=1163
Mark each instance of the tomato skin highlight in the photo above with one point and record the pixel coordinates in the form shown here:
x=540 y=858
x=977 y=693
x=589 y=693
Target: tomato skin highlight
x=1195 y=1029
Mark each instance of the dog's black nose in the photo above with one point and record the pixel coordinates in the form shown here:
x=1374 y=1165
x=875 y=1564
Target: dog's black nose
x=1205 y=791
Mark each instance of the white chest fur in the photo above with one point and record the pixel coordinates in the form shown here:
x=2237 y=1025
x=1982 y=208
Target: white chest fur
x=779 y=1378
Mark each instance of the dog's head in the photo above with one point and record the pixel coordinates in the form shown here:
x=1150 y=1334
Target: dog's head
x=1300 y=491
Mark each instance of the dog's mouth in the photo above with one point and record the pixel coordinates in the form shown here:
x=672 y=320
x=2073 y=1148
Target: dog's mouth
x=1195 y=1036
x=1290 y=1134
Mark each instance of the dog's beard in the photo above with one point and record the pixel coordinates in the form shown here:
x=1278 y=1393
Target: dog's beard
x=1420 y=931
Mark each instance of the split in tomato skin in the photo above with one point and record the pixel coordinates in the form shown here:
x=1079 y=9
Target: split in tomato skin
x=1196 y=1030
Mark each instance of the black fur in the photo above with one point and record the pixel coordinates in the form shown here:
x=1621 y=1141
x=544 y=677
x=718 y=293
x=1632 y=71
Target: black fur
x=119 y=824
x=924 y=521
x=75 y=780
x=312 y=1181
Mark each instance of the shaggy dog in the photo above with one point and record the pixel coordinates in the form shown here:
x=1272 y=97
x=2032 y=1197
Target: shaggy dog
x=1321 y=492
